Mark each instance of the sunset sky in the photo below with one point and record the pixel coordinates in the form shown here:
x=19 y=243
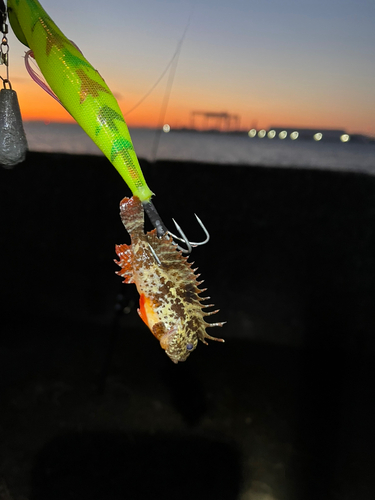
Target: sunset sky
x=292 y=63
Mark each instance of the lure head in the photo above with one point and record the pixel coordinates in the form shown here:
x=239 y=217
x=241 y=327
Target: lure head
x=176 y=341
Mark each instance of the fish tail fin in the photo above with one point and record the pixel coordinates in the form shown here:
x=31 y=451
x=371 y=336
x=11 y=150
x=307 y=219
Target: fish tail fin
x=132 y=214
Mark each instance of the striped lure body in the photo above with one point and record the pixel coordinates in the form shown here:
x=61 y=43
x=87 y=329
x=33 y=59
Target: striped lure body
x=80 y=88
x=170 y=304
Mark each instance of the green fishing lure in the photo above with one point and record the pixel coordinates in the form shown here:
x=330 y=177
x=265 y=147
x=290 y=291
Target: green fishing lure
x=80 y=89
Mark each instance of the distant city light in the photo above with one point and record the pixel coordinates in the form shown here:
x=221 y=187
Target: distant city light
x=283 y=134
x=262 y=133
x=166 y=128
x=345 y=138
x=271 y=134
x=318 y=136
x=252 y=132
x=294 y=135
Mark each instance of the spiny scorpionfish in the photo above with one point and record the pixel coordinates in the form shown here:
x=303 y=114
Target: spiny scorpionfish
x=170 y=302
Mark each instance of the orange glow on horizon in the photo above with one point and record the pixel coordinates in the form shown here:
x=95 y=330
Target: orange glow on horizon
x=36 y=105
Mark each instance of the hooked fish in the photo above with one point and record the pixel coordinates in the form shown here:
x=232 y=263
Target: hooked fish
x=170 y=302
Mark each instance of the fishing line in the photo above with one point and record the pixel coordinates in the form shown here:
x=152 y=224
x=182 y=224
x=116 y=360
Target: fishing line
x=173 y=65
x=153 y=87
x=163 y=110
x=168 y=90
x=174 y=57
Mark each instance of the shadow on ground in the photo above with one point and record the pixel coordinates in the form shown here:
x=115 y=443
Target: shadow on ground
x=98 y=465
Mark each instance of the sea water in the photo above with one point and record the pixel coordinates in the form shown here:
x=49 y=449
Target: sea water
x=218 y=148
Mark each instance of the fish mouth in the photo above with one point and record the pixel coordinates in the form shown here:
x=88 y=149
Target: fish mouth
x=177 y=357
x=170 y=344
x=176 y=360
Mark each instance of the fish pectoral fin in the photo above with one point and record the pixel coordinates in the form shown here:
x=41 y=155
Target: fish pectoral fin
x=141 y=310
x=125 y=254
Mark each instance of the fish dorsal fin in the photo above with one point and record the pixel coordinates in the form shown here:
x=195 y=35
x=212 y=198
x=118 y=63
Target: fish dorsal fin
x=125 y=254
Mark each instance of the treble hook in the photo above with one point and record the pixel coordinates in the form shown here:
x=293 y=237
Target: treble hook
x=161 y=229
x=184 y=239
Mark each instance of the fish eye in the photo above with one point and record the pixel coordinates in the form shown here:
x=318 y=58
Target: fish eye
x=189 y=346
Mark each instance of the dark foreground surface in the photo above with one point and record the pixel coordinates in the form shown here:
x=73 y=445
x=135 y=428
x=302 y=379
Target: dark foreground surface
x=92 y=408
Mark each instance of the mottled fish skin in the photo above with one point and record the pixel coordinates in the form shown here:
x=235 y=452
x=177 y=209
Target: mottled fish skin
x=170 y=302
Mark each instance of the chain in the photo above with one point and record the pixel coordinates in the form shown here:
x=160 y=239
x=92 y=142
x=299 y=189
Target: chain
x=4 y=48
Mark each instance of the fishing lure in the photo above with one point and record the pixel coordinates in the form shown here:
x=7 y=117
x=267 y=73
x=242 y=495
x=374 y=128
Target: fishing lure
x=170 y=302
x=80 y=89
